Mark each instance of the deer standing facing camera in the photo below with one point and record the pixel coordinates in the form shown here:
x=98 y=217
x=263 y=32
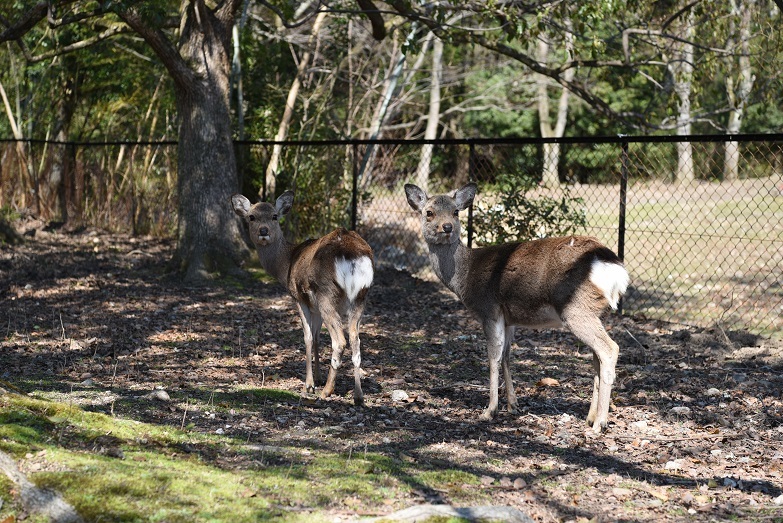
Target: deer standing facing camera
x=542 y=283
x=329 y=278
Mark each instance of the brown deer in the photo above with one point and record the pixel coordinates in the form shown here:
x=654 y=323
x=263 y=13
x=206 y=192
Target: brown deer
x=541 y=283
x=329 y=278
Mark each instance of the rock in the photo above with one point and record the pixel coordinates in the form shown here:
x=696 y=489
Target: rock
x=681 y=411
x=778 y=500
x=621 y=492
x=159 y=394
x=444 y=512
x=712 y=391
x=399 y=395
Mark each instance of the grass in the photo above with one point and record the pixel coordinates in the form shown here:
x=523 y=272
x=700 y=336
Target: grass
x=222 y=480
x=701 y=261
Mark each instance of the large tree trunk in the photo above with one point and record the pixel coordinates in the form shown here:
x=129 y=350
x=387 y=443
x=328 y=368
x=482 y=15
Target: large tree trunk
x=53 y=199
x=209 y=234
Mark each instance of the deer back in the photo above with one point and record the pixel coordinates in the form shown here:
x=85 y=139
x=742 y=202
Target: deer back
x=340 y=264
x=529 y=281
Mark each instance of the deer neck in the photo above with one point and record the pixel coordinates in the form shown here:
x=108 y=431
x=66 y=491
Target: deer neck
x=450 y=263
x=275 y=258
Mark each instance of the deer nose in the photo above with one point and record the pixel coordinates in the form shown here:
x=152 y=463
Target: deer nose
x=447 y=228
x=263 y=231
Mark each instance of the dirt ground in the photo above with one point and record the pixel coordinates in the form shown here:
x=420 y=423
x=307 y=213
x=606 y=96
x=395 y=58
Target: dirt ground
x=696 y=428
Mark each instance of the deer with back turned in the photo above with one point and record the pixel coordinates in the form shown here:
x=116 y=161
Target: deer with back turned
x=551 y=282
x=328 y=277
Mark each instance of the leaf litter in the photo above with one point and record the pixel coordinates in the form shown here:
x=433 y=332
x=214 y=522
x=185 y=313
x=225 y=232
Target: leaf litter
x=696 y=425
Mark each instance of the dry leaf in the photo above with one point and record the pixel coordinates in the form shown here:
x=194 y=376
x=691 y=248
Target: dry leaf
x=547 y=382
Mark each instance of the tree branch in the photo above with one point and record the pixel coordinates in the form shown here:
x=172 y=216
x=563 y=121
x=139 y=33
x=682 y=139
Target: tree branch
x=164 y=49
x=29 y=19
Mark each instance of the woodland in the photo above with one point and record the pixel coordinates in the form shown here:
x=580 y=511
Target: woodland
x=154 y=373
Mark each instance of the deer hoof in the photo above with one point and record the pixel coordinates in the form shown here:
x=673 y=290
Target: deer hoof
x=309 y=389
x=487 y=415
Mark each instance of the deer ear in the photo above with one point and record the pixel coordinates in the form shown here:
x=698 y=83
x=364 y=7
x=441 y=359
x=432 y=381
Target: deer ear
x=284 y=202
x=416 y=197
x=241 y=205
x=464 y=197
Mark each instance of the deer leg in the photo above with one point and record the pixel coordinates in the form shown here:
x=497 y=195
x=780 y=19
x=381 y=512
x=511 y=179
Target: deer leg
x=511 y=395
x=495 y=330
x=596 y=384
x=590 y=330
x=315 y=328
x=334 y=325
x=310 y=339
x=354 y=318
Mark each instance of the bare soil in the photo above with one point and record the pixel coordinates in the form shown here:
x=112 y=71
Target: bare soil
x=696 y=428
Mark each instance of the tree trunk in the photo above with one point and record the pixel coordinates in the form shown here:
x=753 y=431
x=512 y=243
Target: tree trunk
x=737 y=96
x=681 y=68
x=53 y=195
x=550 y=176
x=209 y=236
x=433 y=117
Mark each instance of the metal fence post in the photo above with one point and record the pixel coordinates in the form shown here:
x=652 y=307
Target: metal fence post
x=354 y=191
x=621 y=220
x=471 y=178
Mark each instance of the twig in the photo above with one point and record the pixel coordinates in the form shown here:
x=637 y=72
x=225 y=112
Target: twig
x=683 y=438
x=182 y=426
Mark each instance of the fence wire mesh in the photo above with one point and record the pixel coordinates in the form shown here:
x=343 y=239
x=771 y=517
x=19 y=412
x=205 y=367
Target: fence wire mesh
x=698 y=220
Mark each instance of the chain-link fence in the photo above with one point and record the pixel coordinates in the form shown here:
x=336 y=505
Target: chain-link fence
x=698 y=220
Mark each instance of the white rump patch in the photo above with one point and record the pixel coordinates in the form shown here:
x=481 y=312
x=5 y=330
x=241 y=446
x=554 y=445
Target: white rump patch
x=611 y=278
x=353 y=275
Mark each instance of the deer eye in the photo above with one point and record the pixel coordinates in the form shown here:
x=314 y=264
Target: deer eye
x=456 y=213
x=251 y=218
x=274 y=217
x=429 y=214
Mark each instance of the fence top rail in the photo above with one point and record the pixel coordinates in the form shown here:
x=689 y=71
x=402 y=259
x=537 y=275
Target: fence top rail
x=621 y=138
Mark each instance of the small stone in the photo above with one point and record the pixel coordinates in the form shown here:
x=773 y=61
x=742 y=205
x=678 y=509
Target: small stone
x=681 y=411
x=778 y=500
x=159 y=394
x=487 y=480
x=220 y=431
x=712 y=391
x=621 y=492
x=641 y=425
x=399 y=395
x=520 y=483
x=673 y=465
x=505 y=482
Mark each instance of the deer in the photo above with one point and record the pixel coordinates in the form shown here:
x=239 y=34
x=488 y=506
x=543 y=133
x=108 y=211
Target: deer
x=543 y=283
x=328 y=277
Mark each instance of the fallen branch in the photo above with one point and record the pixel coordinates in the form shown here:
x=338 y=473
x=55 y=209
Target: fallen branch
x=37 y=500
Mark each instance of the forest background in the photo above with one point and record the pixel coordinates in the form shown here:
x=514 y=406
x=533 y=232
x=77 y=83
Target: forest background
x=207 y=74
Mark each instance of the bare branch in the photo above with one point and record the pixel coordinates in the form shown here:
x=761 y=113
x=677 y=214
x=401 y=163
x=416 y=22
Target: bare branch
x=376 y=20
x=76 y=45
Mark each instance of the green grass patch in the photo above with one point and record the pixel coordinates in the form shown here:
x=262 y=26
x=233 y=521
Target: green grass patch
x=173 y=475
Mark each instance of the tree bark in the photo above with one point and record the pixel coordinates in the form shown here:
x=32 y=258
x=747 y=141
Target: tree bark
x=737 y=96
x=681 y=68
x=550 y=176
x=209 y=235
x=433 y=116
